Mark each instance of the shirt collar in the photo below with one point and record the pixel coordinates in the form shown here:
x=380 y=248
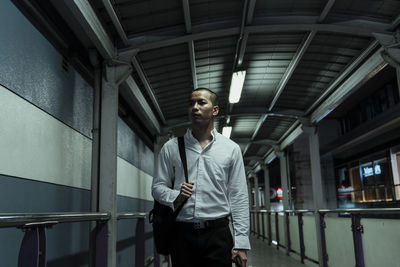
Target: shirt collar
x=192 y=139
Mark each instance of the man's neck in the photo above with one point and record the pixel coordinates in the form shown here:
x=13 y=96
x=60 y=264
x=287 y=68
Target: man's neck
x=203 y=133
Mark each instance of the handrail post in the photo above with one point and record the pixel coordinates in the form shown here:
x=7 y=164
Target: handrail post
x=253 y=223
x=322 y=227
x=258 y=223
x=32 y=252
x=357 y=230
x=301 y=237
x=140 y=243
x=288 y=249
x=263 y=225
x=269 y=228
x=101 y=245
x=277 y=229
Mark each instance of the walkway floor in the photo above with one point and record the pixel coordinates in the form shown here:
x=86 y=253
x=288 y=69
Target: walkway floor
x=263 y=255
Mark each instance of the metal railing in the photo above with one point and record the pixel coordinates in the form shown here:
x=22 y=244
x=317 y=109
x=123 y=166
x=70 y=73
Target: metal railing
x=258 y=228
x=32 y=251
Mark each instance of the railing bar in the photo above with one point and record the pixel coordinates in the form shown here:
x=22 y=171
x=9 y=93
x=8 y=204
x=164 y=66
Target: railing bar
x=135 y=215
x=12 y=220
x=370 y=210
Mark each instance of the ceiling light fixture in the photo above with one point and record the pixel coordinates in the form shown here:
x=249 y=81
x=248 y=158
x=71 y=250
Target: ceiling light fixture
x=236 y=86
x=226 y=131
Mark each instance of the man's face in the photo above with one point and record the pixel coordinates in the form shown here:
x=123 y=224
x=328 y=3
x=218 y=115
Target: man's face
x=201 y=109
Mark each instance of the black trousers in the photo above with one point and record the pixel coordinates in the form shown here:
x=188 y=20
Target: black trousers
x=211 y=247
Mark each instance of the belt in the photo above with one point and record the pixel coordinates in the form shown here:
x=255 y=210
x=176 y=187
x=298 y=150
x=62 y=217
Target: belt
x=204 y=224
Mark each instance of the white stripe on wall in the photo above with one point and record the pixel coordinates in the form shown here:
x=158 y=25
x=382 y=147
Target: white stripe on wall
x=132 y=182
x=36 y=146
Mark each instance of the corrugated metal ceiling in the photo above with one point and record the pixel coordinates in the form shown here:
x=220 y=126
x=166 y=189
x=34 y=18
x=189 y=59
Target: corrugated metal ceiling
x=292 y=50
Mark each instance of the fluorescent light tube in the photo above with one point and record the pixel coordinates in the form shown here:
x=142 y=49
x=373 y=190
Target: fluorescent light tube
x=226 y=131
x=236 y=86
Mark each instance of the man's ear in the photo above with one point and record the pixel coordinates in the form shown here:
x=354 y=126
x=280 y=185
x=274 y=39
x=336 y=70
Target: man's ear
x=215 y=110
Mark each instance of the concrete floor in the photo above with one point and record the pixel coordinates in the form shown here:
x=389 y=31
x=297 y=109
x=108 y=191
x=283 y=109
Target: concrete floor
x=263 y=255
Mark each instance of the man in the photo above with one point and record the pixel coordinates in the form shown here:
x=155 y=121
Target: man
x=216 y=189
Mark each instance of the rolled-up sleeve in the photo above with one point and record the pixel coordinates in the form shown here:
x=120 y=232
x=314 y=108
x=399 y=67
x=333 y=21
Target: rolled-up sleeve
x=163 y=180
x=239 y=201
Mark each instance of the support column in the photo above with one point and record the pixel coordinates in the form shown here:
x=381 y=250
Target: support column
x=249 y=187
x=256 y=192
x=318 y=190
x=284 y=178
x=95 y=133
x=113 y=74
x=398 y=79
x=94 y=185
x=267 y=199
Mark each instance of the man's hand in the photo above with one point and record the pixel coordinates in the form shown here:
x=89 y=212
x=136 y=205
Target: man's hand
x=186 y=192
x=242 y=253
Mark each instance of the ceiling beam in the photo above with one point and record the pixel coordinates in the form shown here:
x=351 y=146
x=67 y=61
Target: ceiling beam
x=253 y=158
x=115 y=20
x=366 y=71
x=89 y=21
x=291 y=134
x=242 y=112
x=149 y=41
x=186 y=14
x=395 y=23
x=343 y=75
x=292 y=66
x=269 y=142
x=193 y=64
x=250 y=11
x=326 y=10
x=148 y=88
x=242 y=49
x=192 y=56
x=258 y=127
x=139 y=99
x=92 y=26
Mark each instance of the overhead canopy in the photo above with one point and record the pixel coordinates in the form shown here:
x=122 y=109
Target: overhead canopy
x=302 y=58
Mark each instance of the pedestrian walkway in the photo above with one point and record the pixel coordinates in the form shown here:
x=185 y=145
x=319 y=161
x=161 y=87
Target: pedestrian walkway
x=263 y=255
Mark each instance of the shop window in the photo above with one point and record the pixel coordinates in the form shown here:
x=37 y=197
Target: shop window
x=365 y=181
x=368 y=108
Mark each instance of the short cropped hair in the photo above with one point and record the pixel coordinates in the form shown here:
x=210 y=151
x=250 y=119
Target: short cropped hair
x=213 y=95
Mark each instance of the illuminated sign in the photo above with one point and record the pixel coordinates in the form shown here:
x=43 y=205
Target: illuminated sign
x=369 y=170
x=378 y=169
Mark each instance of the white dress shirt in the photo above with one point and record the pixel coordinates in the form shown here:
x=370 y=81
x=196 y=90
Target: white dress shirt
x=219 y=182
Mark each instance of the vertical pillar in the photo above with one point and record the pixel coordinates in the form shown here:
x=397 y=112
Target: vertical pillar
x=285 y=190
x=318 y=192
x=257 y=205
x=95 y=132
x=284 y=178
x=113 y=74
x=267 y=199
x=94 y=185
x=256 y=193
x=398 y=79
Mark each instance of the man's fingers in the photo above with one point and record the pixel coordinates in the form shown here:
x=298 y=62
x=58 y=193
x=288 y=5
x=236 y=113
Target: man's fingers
x=187 y=189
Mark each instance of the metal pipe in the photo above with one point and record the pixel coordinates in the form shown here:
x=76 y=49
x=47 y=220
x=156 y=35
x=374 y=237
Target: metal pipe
x=132 y=215
x=13 y=220
x=383 y=210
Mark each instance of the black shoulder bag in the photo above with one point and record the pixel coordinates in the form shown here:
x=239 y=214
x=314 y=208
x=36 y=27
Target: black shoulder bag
x=163 y=217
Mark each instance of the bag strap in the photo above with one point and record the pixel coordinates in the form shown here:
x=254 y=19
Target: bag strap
x=182 y=153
